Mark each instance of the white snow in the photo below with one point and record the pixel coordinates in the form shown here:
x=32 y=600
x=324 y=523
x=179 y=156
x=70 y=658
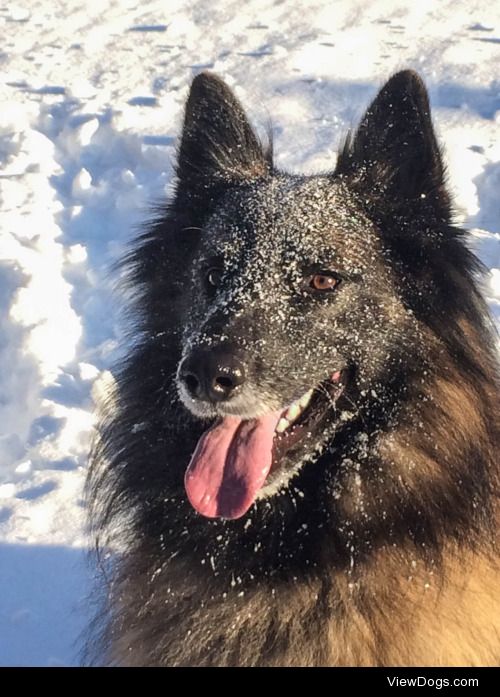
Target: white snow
x=92 y=96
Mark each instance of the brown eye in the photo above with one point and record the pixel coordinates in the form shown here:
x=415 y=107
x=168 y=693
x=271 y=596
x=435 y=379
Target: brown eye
x=321 y=281
x=214 y=277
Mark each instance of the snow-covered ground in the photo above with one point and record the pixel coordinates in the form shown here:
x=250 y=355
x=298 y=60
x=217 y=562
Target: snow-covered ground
x=92 y=96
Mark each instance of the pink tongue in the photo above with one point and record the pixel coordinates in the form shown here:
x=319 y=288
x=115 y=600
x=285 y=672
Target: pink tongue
x=230 y=465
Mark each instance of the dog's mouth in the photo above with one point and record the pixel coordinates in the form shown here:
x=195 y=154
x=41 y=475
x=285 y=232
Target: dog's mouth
x=235 y=458
x=301 y=419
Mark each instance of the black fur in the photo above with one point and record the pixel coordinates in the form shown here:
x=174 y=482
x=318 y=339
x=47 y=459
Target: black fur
x=406 y=474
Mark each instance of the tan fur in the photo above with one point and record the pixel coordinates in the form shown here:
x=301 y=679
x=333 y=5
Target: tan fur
x=419 y=616
x=426 y=617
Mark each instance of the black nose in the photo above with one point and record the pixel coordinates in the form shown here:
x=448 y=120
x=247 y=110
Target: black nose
x=211 y=375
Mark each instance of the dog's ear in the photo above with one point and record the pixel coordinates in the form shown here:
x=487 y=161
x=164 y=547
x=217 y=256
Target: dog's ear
x=218 y=145
x=394 y=158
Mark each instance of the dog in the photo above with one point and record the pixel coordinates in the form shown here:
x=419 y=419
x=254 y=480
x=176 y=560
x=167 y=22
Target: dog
x=298 y=462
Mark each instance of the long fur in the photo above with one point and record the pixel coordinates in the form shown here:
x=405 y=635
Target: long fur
x=384 y=551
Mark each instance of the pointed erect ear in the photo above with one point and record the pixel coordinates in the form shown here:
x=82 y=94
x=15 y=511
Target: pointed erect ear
x=394 y=158
x=218 y=146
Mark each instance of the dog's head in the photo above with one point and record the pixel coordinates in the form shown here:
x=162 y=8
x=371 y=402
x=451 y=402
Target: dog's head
x=304 y=294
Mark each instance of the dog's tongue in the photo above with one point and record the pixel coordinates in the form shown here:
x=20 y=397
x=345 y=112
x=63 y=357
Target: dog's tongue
x=230 y=465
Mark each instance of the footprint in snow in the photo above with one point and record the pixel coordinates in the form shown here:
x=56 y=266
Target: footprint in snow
x=36 y=492
x=149 y=27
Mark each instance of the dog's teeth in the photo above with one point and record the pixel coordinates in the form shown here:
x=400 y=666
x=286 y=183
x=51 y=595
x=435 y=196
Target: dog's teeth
x=283 y=424
x=293 y=412
x=305 y=399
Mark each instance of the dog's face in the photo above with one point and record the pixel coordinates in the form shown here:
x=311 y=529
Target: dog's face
x=291 y=304
x=288 y=284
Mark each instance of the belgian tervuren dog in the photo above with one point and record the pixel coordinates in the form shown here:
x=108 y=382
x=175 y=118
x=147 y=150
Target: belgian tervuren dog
x=299 y=459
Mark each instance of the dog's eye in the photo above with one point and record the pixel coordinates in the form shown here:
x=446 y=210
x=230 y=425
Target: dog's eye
x=324 y=282
x=214 y=277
